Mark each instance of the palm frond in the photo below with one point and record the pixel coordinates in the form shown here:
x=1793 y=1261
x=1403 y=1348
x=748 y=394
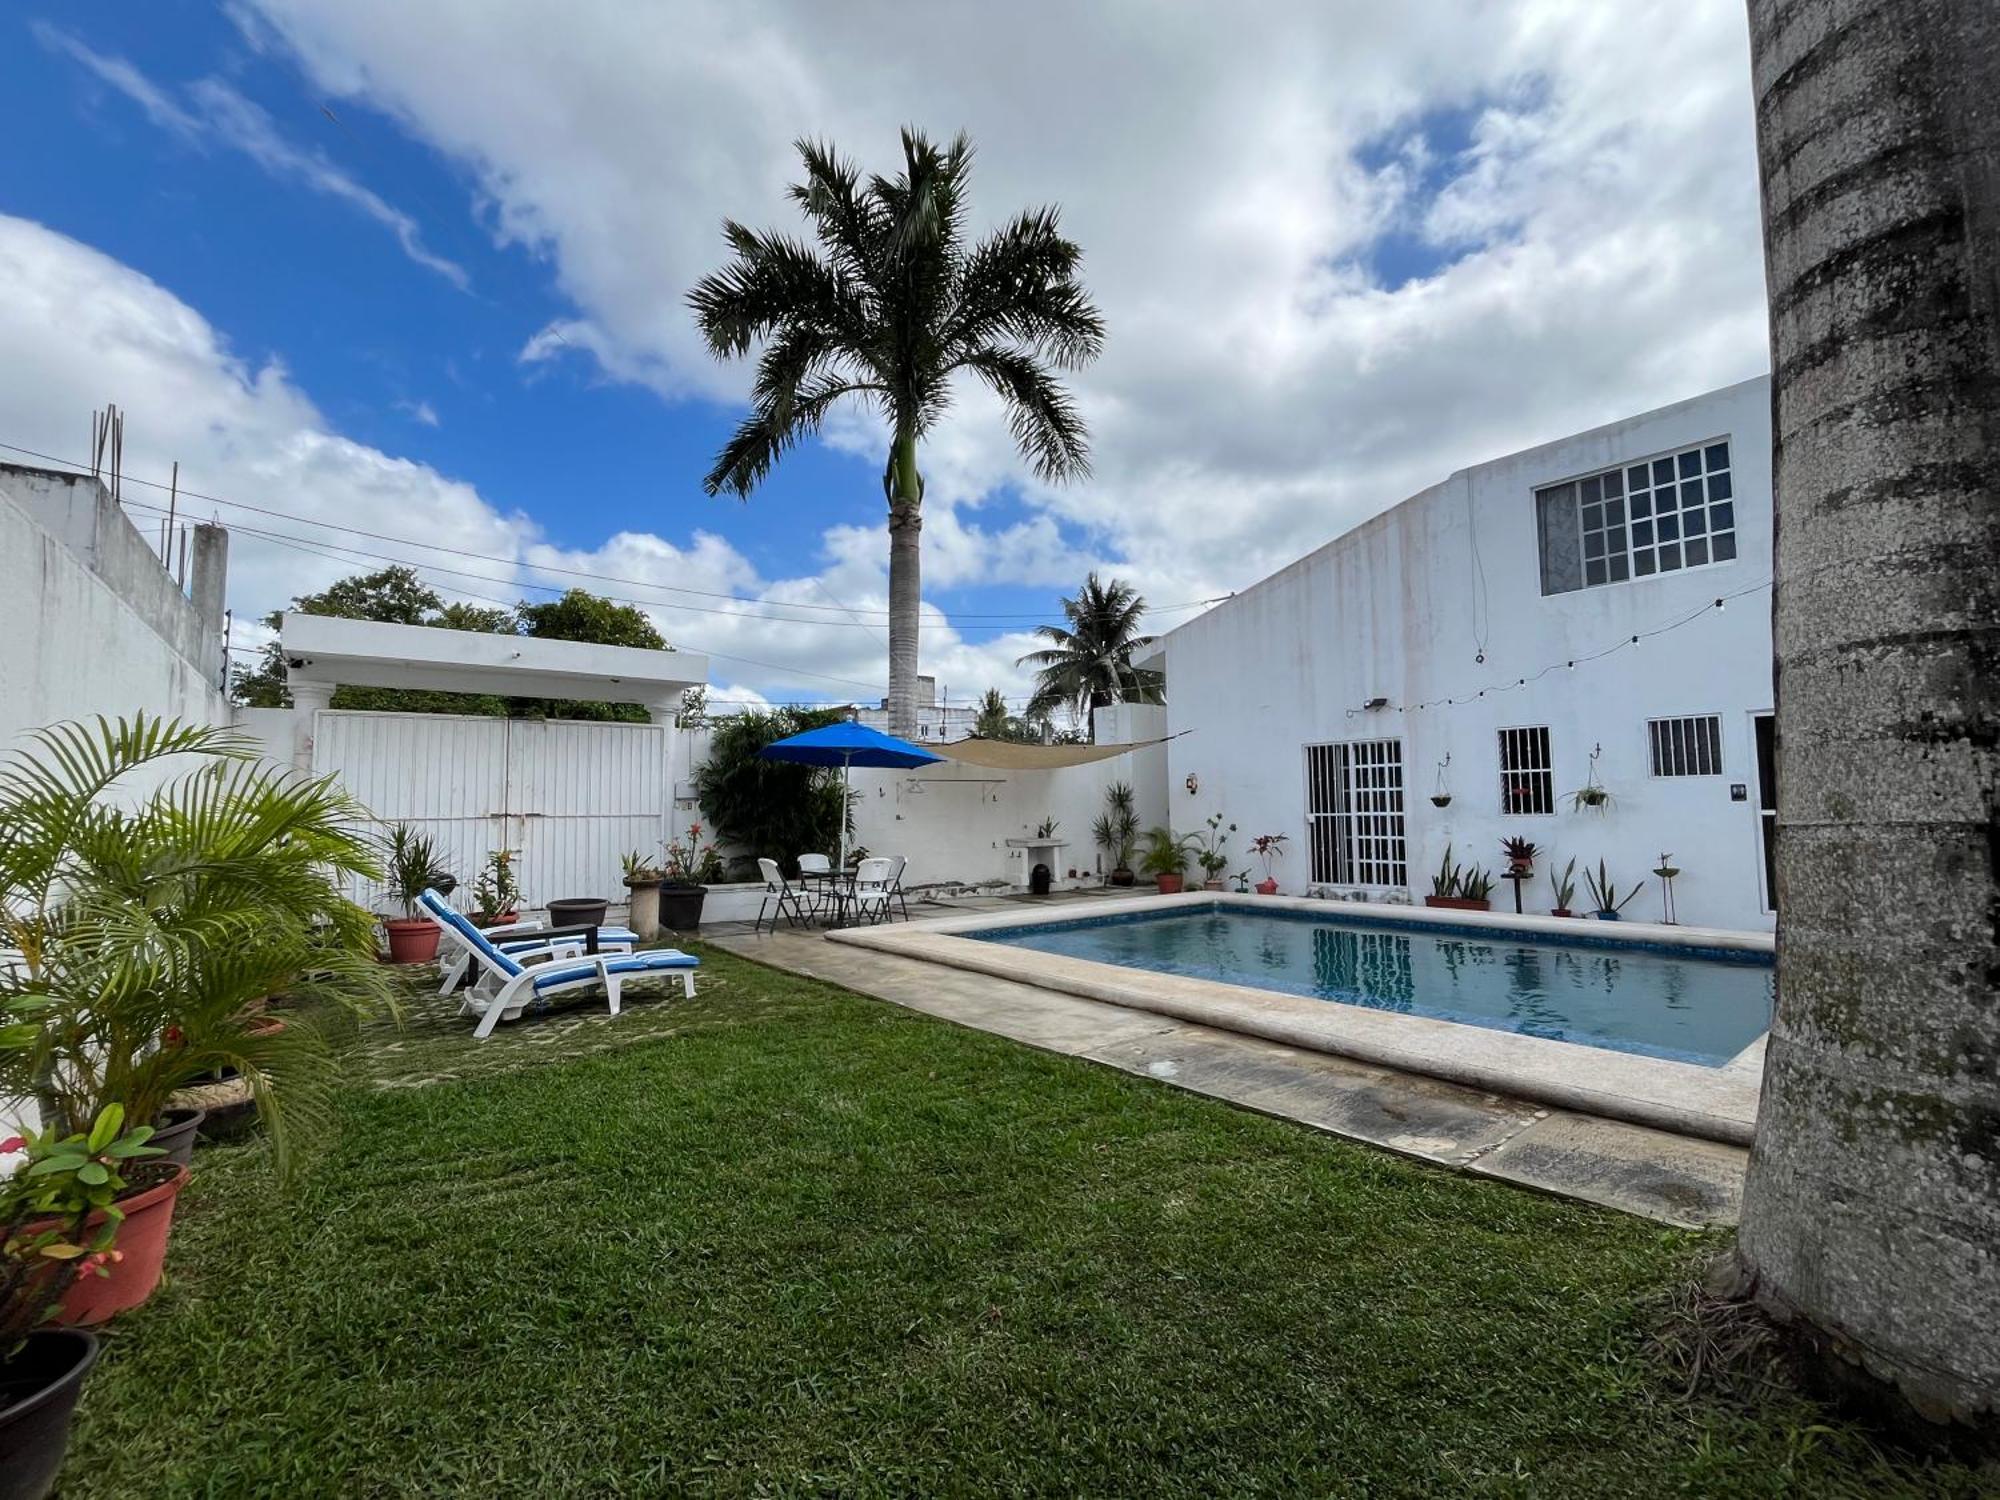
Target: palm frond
x=1047 y=427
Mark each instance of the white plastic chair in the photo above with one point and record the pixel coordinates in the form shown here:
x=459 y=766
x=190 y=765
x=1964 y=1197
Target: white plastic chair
x=509 y=982
x=901 y=863
x=790 y=902
x=873 y=888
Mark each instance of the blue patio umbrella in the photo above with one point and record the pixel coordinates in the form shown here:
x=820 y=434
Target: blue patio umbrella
x=848 y=745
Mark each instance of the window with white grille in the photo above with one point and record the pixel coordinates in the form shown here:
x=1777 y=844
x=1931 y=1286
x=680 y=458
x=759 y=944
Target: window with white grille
x=1659 y=516
x=1686 y=747
x=1354 y=813
x=1527 y=774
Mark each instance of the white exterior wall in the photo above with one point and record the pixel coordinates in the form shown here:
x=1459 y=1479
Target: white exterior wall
x=83 y=640
x=1398 y=607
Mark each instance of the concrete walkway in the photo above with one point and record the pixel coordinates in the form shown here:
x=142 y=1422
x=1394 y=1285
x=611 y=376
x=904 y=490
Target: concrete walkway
x=1671 y=1178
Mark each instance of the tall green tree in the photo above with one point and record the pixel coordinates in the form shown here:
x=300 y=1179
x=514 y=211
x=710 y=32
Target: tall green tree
x=1088 y=662
x=394 y=595
x=580 y=615
x=770 y=809
x=888 y=309
x=1871 y=1213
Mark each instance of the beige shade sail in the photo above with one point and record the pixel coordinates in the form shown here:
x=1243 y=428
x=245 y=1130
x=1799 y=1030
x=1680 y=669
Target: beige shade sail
x=1006 y=755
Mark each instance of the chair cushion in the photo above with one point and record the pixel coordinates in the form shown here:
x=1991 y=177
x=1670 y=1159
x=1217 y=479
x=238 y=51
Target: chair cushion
x=611 y=935
x=463 y=929
x=569 y=971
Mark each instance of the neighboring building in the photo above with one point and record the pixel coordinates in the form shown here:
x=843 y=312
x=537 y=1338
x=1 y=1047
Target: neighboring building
x=937 y=722
x=1316 y=697
x=95 y=622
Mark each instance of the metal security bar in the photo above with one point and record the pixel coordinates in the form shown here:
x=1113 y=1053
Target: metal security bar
x=1686 y=747
x=1527 y=772
x=1354 y=813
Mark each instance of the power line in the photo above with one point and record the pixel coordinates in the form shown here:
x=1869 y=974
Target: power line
x=972 y=620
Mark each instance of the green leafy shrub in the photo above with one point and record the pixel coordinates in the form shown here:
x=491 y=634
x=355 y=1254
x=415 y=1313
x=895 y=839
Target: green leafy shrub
x=768 y=808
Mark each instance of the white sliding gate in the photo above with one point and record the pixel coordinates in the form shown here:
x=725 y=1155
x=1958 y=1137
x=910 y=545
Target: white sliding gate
x=568 y=796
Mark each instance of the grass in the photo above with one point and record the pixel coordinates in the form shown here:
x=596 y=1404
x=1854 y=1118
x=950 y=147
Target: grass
x=785 y=1240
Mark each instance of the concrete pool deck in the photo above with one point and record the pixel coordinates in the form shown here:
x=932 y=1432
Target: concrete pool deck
x=1668 y=1177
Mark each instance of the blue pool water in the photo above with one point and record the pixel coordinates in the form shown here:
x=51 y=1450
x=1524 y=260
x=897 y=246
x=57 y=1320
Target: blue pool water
x=1694 y=1005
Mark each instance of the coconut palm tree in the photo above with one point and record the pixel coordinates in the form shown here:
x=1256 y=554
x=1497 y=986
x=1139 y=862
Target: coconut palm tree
x=1873 y=1199
x=887 y=310
x=997 y=722
x=1088 y=664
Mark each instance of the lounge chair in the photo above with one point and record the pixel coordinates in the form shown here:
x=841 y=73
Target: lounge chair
x=513 y=980
x=790 y=900
x=531 y=937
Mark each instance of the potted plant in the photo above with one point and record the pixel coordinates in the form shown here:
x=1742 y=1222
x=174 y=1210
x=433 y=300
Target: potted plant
x=496 y=898
x=1441 y=794
x=642 y=886
x=1591 y=794
x=1520 y=855
x=1604 y=894
x=1269 y=847
x=1565 y=889
x=156 y=924
x=1046 y=829
x=61 y=1210
x=1209 y=846
x=1116 y=831
x=414 y=867
x=685 y=876
x=1460 y=887
x=1165 y=858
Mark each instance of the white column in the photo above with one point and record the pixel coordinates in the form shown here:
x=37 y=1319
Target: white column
x=308 y=698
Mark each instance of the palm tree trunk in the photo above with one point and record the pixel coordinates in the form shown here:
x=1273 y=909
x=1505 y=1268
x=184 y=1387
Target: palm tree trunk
x=1872 y=1212
x=906 y=491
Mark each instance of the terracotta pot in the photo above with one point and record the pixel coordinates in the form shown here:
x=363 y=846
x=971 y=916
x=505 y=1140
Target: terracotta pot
x=1171 y=885
x=1458 y=903
x=1215 y=885
x=142 y=1244
x=1561 y=911
x=38 y=1391
x=174 y=1134
x=1267 y=887
x=412 y=940
x=492 y=918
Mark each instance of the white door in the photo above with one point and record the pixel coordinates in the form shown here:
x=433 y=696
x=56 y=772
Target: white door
x=567 y=796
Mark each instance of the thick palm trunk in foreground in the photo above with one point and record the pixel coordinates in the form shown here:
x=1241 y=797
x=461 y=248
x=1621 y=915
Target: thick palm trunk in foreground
x=1872 y=1212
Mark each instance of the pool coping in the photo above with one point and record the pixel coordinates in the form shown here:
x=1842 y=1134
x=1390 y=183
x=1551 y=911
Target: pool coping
x=1712 y=1103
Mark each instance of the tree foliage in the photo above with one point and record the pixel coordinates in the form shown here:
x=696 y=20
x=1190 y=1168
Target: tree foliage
x=1088 y=663
x=887 y=307
x=768 y=808
x=396 y=595
x=997 y=722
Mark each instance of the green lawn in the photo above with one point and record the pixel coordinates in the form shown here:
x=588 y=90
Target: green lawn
x=788 y=1240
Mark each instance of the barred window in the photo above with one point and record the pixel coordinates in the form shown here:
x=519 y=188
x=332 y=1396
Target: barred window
x=1686 y=747
x=1527 y=773
x=1636 y=520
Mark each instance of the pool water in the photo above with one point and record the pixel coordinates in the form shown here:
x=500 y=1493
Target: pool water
x=1693 y=1005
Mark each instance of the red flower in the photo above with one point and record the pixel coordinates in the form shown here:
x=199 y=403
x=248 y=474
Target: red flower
x=12 y=1143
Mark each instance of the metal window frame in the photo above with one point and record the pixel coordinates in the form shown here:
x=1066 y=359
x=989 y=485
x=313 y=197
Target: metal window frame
x=1671 y=744
x=1631 y=559
x=1357 y=828
x=1542 y=777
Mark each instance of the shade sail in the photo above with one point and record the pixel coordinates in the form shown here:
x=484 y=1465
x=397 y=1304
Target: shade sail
x=1006 y=755
x=847 y=744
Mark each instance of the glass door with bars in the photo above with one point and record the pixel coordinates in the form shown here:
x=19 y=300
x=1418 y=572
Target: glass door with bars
x=1354 y=813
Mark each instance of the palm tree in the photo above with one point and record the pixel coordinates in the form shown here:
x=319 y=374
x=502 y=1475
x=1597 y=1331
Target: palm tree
x=891 y=305
x=1089 y=664
x=1873 y=1197
x=996 y=722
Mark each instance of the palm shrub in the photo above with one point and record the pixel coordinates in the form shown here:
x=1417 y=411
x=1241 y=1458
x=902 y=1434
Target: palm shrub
x=1117 y=827
x=160 y=882
x=1165 y=854
x=770 y=808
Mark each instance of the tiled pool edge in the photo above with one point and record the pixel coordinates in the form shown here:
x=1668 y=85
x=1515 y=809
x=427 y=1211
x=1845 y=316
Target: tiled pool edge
x=1712 y=1103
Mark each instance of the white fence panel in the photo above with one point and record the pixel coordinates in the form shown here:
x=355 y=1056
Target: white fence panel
x=569 y=797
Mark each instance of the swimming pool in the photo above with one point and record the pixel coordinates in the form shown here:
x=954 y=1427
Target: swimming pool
x=1692 y=1005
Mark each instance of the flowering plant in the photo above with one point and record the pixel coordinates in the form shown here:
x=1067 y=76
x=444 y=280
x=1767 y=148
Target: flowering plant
x=692 y=862
x=46 y=1238
x=1269 y=847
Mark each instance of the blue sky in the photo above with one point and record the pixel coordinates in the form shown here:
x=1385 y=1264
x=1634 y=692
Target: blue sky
x=373 y=217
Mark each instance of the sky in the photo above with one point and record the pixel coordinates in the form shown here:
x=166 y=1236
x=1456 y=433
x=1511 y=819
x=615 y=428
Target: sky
x=407 y=282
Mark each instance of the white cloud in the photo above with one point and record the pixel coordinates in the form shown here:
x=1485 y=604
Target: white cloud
x=419 y=411
x=247 y=433
x=222 y=115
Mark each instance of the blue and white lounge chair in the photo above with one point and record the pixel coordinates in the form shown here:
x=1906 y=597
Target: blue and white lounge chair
x=517 y=979
x=532 y=937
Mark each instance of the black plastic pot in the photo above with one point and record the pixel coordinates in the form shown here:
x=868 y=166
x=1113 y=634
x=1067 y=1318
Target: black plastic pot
x=577 y=911
x=175 y=1134
x=680 y=907
x=38 y=1391
x=1122 y=876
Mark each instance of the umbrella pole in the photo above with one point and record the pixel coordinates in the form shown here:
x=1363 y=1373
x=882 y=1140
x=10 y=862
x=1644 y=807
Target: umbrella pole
x=846 y=773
